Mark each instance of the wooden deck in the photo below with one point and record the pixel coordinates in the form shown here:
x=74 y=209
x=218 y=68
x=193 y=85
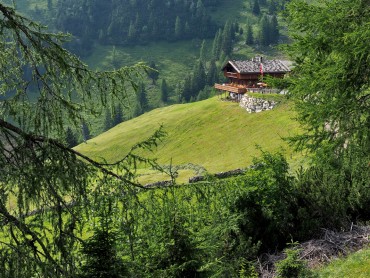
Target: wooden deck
x=230 y=88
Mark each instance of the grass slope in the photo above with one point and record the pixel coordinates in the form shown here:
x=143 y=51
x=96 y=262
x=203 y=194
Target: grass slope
x=218 y=135
x=356 y=265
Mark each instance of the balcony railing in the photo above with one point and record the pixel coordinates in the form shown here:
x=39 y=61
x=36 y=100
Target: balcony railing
x=231 y=74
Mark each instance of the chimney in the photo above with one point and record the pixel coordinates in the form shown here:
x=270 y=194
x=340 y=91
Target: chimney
x=258 y=59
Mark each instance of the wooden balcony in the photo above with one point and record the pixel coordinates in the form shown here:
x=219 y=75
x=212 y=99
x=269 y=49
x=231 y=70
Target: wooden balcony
x=231 y=74
x=238 y=89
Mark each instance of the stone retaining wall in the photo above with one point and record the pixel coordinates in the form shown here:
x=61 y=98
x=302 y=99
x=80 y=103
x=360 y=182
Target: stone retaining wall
x=255 y=105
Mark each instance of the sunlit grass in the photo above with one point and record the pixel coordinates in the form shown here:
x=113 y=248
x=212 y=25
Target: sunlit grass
x=215 y=134
x=356 y=265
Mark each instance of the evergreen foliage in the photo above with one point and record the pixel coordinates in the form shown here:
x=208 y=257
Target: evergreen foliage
x=142 y=99
x=40 y=230
x=85 y=131
x=153 y=72
x=101 y=259
x=164 y=91
x=71 y=138
x=118 y=115
x=213 y=228
x=107 y=120
x=256 y=10
x=133 y=22
x=250 y=39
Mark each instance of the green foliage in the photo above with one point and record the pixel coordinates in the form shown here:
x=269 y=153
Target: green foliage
x=331 y=88
x=164 y=91
x=137 y=22
x=101 y=259
x=330 y=82
x=355 y=265
x=153 y=72
x=256 y=7
x=267 y=208
x=250 y=39
x=71 y=138
x=292 y=266
x=44 y=183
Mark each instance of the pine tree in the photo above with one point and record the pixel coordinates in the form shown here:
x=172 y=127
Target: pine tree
x=203 y=51
x=131 y=32
x=71 y=138
x=142 y=99
x=107 y=120
x=178 y=28
x=187 y=90
x=227 y=44
x=256 y=8
x=85 y=131
x=200 y=12
x=265 y=31
x=216 y=46
x=153 y=73
x=118 y=115
x=250 y=39
x=274 y=29
x=198 y=79
x=164 y=91
x=101 y=258
x=212 y=74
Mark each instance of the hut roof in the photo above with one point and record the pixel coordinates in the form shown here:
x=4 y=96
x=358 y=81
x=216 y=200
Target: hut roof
x=254 y=66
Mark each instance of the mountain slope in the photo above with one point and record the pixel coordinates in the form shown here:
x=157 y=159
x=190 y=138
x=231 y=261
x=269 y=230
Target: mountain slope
x=215 y=134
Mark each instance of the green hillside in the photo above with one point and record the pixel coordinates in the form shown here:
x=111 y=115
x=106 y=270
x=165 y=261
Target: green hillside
x=215 y=134
x=355 y=265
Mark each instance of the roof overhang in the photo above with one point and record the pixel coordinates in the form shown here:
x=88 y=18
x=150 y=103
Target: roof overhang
x=232 y=64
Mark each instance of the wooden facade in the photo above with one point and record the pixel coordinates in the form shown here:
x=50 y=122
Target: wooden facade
x=249 y=74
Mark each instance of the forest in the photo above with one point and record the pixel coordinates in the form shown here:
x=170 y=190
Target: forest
x=65 y=214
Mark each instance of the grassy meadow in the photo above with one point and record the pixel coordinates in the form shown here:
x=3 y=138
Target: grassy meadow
x=356 y=265
x=213 y=134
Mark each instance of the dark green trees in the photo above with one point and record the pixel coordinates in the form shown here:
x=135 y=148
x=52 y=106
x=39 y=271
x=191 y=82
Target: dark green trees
x=135 y=21
x=153 y=72
x=331 y=79
x=331 y=88
x=45 y=178
x=269 y=31
x=164 y=91
x=100 y=256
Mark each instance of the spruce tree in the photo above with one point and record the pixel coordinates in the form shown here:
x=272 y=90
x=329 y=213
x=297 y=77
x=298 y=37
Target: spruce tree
x=274 y=29
x=164 y=91
x=216 y=45
x=212 y=74
x=118 y=115
x=142 y=99
x=101 y=258
x=153 y=72
x=265 y=31
x=256 y=8
x=250 y=39
x=227 y=44
x=178 y=28
x=71 y=138
x=203 y=51
x=107 y=120
x=85 y=131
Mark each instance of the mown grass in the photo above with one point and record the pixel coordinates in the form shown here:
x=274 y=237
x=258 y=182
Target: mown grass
x=215 y=134
x=355 y=265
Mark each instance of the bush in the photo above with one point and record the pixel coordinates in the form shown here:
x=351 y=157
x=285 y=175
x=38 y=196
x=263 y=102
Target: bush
x=292 y=266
